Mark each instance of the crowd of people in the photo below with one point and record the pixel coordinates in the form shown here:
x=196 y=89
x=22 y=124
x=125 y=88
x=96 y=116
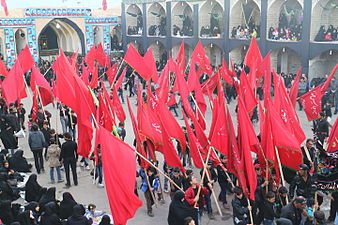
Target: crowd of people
x=329 y=34
x=186 y=29
x=285 y=33
x=207 y=31
x=245 y=32
x=158 y=30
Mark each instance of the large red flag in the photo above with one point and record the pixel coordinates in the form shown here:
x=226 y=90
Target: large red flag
x=294 y=88
x=195 y=146
x=162 y=91
x=312 y=100
x=13 y=86
x=169 y=152
x=180 y=57
x=111 y=73
x=3 y=70
x=85 y=75
x=247 y=139
x=332 y=142
x=95 y=78
x=209 y=85
x=201 y=59
x=26 y=59
x=117 y=106
x=120 y=80
x=136 y=61
x=38 y=80
x=253 y=60
x=118 y=156
x=226 y=73
x=247 y=91
x=151 y=64
x=100 y=56
x=90 y=57
x=104 y=116
x=4 y=5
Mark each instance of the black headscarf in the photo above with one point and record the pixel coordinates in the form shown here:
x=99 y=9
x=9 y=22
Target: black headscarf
x=78 y=216
x=179 y=209
x=49 y=215
x=48 y=197
x=105 y=220
x=18 y=162
x=24 y=218
x=6 y=214
x=32 y=189
x=66 y=205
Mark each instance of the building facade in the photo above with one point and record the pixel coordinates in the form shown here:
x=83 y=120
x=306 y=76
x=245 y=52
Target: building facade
x=46 y=30
x=295 y=32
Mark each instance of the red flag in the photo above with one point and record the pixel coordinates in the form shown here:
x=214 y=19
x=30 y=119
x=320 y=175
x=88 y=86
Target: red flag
x=73 y=59
x=151 y=64
x=119 y=81
x=209 y=85
x=247 y=91
x=226 y=74
x=193 y=80
x=195 y=146
x=4 y=5
x=294 y=89
x=253 y=60
x=38 y=80
x=13 y=86
x=111 y=73
x=117 y=106
x=100 y=56
x=26 y=59
x=104 y=4
x=162 y=91
x=35 y=107
x=3 y=70
x=329 y=78
x=95 y=78
x=90 y=57
x=104 y=117
x=85 y=75
x=118 y=156
x=201 y=59
x=332 y=142
x=247 y=140
x=169 y=152
x=136 y=61
x=184 y=93
x=180 y=58
x=138 y=138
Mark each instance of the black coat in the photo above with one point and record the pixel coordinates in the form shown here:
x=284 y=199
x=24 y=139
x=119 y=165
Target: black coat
x=19 y=163
x=240 y=210
x=49 y=215
x=179 y=210
x=269 y=210
x=291 y=213
x=303 y=188
x=78 y=218
x=66 y=205
x=32 y=189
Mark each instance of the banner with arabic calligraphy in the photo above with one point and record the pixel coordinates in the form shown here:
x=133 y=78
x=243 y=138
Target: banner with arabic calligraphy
x=326 y=174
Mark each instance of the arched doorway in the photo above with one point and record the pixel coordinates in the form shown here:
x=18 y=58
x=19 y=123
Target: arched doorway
x=214 y=53
x=324 y=21
x=98 y=35
x=187 y=51
x=285 y=60
x=20 y=40
x=237 y=54
x=322 y=64
x=156 y=20
x=134 y=20
x=160 y=54
x=137 y=45
x=182 y=24
x=245 y=20
x=62 y=34
x=285 y=20
x=116 y=38
x=211 y=19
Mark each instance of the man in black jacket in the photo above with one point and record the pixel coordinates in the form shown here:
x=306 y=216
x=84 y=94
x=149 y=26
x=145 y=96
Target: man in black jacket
x=69 y=157
x=240 y=207
x=301 y=183
x=294 y=210
x=269 y=208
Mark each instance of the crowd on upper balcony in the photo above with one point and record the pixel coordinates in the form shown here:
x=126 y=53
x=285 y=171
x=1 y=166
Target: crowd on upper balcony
x=329 y=34
x=158 y=30
x=286 y=33
x=245 y=32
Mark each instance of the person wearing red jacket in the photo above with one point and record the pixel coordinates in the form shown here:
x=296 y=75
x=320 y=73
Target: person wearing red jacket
x=196 y=201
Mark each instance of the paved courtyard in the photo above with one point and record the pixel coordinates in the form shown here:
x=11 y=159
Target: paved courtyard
x=86 y=192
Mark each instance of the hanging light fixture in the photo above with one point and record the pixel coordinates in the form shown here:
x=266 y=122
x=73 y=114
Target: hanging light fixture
x=57 y=26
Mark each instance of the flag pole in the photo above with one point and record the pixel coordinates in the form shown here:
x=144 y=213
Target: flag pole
x=281 y=170
x=149 y=186
x=250 y=211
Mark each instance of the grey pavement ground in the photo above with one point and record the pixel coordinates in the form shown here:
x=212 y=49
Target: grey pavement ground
x=86 y=192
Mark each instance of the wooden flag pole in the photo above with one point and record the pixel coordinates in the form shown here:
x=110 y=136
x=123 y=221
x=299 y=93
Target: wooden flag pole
x=250 y=211
x=149 y=186
x=281 y=171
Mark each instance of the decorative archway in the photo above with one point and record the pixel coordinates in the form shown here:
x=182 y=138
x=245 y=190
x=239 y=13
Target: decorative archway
x=134 y=21
x=324 y=20
x=237 y=54
x=211 y=19
x=245 y=19
x=285 y=15
x=61 y=33
x=182 y=23
x=156 y=20
x=20 y=40
x=322 y=64
x=116 y=38
x=160 y=54
x=285 y=60
x=214 y=53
